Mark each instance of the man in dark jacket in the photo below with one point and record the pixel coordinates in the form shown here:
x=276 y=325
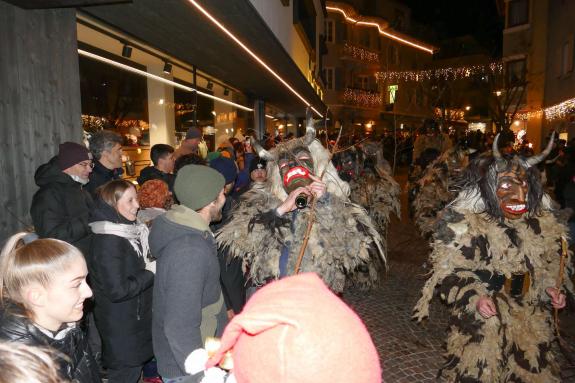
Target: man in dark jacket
x=231 y=273
x=61 y=207
x=188 y=305
x=162 y=157
x=106 y=147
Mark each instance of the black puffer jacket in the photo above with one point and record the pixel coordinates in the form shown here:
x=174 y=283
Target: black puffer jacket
x=151 y=173
x=122 y=293
x=79 y=364
x=60 y=209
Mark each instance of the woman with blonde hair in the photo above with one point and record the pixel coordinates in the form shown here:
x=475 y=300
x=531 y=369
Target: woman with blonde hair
x=122 y=284
x=42 y=292
x=20 y=363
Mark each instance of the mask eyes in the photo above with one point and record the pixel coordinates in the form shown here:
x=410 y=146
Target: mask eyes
x=505 y=185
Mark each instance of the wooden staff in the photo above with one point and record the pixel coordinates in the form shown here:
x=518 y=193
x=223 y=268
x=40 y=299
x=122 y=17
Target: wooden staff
x=559 y=281
x=311 y=219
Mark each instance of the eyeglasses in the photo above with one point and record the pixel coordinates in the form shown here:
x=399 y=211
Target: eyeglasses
x=87 y=164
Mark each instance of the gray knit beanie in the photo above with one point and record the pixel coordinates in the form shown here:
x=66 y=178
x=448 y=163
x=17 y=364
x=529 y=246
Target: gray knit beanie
x=198 y=185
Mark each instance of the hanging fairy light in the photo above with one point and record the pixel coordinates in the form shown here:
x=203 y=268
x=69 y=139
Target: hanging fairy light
x=360 y=53
x=362 y=98
x=550 y=113
x=449 y=73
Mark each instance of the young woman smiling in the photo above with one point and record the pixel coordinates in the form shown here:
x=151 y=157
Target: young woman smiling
x=42 y=292
x=122 y=285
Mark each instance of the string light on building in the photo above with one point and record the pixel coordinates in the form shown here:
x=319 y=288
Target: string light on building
x=351 y=16
x=450 y=73
x=553 y=112
x=362 y=98
x=360 y=53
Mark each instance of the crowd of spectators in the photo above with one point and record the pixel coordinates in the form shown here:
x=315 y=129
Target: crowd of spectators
x=126 y=280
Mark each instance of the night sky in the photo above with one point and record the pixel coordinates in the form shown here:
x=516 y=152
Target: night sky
x=453 y=18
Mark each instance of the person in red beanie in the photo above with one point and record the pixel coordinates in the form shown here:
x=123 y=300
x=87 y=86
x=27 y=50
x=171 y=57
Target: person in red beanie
x=296 y=330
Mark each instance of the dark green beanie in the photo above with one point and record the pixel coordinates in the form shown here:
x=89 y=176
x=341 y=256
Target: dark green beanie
x=198 y=185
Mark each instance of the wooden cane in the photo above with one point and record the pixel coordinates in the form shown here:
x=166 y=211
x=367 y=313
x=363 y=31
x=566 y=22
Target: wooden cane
x=559 y=281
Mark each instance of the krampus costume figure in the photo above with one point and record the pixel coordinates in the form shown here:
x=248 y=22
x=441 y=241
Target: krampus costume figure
x=342 y=238
x=498 y=242
x=435 y=188
x=371 y=183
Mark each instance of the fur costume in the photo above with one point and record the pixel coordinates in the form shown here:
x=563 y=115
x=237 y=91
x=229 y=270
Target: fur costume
x=371 y=183
x=435 y=189
x=343 y=236
x=475 y=253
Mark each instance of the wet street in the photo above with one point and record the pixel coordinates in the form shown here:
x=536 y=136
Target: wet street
x=411 y=352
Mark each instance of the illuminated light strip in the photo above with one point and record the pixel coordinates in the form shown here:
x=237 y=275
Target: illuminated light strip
x=383 y=32
x=552 y=112
x=271 y=117
x=160 y=79
x=255 y=57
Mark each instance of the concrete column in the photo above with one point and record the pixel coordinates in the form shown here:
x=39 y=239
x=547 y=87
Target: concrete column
x=260 y=118
x=161 y=108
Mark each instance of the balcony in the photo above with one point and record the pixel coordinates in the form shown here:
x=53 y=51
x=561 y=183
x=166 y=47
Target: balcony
x=362 y=98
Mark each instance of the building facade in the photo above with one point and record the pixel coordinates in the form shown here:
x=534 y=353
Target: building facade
x=359 y=46
x=538 y=52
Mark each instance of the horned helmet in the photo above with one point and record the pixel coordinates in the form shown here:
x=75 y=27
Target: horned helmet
x=291 y=162
x=509 y=185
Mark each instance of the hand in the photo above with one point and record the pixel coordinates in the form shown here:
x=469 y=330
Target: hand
x=317 y=187
x=557 y=298
x=289 y=204
x=486 y=307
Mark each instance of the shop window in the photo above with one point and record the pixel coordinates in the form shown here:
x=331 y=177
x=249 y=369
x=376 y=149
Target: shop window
x=114 y=99
x=516 y=72
x=329 y=31
x=185 y=106
x=517 y=13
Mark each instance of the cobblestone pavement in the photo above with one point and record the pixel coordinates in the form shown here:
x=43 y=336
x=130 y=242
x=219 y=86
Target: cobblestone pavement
x=410 y=352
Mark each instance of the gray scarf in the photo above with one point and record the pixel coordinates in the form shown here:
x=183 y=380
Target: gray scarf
x=137 y=234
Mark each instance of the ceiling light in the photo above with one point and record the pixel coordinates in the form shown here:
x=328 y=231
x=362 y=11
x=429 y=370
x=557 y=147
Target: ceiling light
x=126 y=51
x=226 y=91
x=256 y=57
x=270 y=116
x=167 y=68
x=214 y=112
x=210 y=85
x=161 y=79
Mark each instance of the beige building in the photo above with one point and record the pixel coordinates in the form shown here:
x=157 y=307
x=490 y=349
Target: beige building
x=538 y=52
x=362 y=44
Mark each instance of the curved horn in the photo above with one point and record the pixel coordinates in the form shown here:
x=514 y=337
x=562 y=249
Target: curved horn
x=495 y=147
x=309 y=129
x=260 y=150
x=541 y=156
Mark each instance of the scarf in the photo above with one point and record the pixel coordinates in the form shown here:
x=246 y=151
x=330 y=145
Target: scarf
x=136 y=234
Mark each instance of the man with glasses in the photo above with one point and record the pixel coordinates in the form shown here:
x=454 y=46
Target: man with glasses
x=61 y=206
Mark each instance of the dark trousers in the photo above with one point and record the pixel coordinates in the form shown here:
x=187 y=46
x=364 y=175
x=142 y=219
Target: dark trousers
x=125 y=375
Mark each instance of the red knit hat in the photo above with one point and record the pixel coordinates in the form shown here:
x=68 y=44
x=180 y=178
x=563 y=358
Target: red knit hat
x=296 y=330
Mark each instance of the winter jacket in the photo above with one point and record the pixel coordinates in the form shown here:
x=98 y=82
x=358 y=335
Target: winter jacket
x=188 y=301
x=122 y=293
x=152 y=173
x=78 y=365
x=61 y=207
x=101 y=175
